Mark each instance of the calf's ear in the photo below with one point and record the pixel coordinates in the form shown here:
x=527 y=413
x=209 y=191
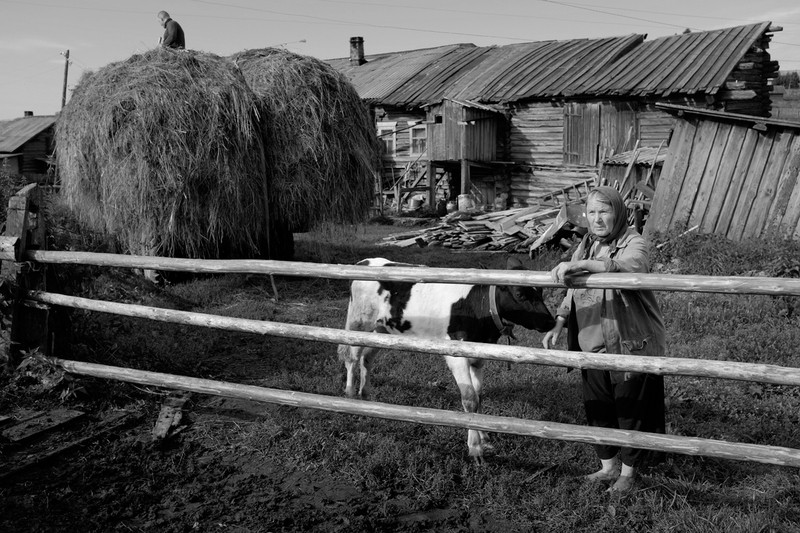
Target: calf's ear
x=512 y=263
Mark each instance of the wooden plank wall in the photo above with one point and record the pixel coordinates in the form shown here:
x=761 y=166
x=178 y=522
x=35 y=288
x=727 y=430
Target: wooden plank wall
x=480 y=139
x=729 y=179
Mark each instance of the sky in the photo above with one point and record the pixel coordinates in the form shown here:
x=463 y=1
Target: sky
x=35 y=34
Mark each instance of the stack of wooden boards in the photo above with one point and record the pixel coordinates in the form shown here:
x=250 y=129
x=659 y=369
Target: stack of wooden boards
x=511 y=230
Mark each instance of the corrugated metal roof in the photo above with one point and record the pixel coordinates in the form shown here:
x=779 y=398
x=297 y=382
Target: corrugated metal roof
x=681 y=64
x=14 y=133
x=689 y=63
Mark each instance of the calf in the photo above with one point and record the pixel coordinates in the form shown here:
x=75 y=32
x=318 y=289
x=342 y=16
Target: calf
x=475 y=313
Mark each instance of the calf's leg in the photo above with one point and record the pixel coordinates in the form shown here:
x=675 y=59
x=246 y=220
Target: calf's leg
x=476 y=374
x=357 y=359
x=470 y=400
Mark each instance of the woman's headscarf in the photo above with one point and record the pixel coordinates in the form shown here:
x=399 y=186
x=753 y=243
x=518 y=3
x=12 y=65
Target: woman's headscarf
x=613 y=197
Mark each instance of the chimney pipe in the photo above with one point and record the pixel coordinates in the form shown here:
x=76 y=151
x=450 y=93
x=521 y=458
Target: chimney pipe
x=27 y=114
x=357 y=51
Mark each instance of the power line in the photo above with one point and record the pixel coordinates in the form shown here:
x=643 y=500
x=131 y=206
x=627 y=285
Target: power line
x=352 y=23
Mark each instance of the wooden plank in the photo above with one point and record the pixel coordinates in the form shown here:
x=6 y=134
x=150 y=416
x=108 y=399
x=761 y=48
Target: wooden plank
x=750 y=186
x=737 y=179
x=709 y=177
x=35 y=427
x=672 y=176
x=757 y=219
x=787 y=184
x=704 y=141
x=725 y=172
x=112 y=423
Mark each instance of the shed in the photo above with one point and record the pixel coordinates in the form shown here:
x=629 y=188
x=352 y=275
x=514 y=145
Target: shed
x=29 y=141
x=730 y=174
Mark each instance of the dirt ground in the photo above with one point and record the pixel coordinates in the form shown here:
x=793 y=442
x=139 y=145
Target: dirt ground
x=105 y=472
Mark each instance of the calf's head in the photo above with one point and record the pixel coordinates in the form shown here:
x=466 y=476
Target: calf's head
x=523 y=305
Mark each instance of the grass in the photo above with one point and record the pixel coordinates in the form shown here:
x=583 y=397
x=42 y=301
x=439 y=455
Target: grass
x=398 y=476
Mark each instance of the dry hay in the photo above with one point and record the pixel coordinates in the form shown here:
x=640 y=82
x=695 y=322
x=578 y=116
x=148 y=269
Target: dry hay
x=164 y=151
x=321 y=144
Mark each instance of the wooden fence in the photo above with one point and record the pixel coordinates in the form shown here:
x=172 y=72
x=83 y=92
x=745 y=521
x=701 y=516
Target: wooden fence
x=733 y=175
x=30 y=297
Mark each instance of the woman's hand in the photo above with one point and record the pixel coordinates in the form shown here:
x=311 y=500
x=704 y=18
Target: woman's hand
x=567 y=268
x=551 y=337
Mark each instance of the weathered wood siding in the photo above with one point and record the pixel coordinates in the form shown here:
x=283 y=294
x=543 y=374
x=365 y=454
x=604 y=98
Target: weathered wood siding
x=655 y=126
x=730 y=179
x=457 y=132
x=480 y=134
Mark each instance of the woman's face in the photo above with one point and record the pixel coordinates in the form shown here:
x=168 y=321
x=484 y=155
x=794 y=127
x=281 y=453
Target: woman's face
x=600 y=216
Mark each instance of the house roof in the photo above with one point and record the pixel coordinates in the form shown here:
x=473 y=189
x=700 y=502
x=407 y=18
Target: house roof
x=16 y=132
x=630 y=65
x=680 y=64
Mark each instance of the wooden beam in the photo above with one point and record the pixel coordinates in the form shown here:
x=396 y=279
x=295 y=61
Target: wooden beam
x=466 y=180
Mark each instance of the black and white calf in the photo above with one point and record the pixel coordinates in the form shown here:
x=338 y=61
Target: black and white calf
x=475 y=313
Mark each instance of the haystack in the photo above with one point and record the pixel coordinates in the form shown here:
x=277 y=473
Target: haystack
x=321 y=144
x=164 y=151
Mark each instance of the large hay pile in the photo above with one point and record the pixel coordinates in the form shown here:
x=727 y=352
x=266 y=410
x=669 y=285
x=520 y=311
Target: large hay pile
x=321 y=143
x=164 y=151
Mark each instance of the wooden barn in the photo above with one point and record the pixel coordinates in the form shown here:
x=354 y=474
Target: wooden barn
x=553 y=110
x=26 y=144
x=731 y=174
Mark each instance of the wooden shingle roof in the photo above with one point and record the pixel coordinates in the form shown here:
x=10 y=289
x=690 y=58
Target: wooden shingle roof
x=616 y=66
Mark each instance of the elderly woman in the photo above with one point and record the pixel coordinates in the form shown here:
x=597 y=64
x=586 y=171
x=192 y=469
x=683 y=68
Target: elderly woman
x=613 y=321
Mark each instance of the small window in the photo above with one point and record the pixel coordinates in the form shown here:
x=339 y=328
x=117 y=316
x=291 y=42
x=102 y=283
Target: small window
x=419 y=140
x=387 y=135
x=437 y=119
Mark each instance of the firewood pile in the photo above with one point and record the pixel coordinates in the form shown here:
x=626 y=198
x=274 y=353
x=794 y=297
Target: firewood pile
x=511 y=230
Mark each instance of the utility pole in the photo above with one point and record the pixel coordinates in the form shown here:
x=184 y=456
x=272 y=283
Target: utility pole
x=66 y=73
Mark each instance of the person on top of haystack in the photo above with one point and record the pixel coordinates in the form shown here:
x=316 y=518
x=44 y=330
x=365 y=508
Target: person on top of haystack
x=173 y=33
x=613 y=321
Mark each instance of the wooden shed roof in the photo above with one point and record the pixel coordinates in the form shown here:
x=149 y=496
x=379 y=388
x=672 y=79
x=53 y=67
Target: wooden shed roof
x=16 y=132
x=629 y=65
x=759 y=123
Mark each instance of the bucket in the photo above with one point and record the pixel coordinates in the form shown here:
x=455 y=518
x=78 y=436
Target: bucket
x=415 y=203
x=465 y=202
x=451 y=206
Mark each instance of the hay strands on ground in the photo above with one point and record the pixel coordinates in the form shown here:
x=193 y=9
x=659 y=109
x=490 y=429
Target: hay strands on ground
x=511 y=230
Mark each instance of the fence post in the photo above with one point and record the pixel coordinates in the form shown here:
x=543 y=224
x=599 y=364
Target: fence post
x=29 y=323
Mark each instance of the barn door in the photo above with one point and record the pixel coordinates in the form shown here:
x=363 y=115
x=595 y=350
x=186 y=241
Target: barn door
x=619 y=128
x=581 y=133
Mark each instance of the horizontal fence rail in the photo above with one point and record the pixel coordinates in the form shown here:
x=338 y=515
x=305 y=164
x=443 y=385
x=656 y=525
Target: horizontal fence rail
x=778 y=375
x=549 y=430
x=632 y=281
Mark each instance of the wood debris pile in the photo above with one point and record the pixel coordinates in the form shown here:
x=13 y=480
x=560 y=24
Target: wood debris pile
x=512 y=230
